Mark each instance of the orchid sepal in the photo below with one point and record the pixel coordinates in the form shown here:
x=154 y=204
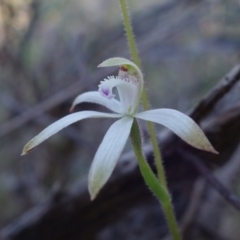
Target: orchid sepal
x=62 y=123
x=181 y=125
x=108 y=154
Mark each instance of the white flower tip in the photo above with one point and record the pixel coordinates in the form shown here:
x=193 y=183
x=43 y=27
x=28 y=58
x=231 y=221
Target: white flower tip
x=100 y=65
x=27 y=148
x=203 y=143
x=211 y=149
x=23 y=153
x=92 y=196
x=97 y=179
x=93 y=189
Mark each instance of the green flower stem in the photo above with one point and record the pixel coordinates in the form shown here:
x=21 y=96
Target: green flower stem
x=129 y=33
x=158 y=187
x=156 y=150
x=147 y=173
x=153 y=183
x=145 y=101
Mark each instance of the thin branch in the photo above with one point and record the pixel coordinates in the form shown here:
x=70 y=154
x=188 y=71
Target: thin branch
x=206 y=105
x=212 y=180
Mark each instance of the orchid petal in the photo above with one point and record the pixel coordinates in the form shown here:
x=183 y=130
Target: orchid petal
x=62 y=123
x=180 y=124
x=130 y=71
x=108 y=154
x=127 y=90
x=96 y=97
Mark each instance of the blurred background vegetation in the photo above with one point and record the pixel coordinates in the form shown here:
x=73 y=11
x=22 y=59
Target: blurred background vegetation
x=49 y=50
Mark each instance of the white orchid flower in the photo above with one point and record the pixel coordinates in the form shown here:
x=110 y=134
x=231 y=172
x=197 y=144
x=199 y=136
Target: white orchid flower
x=129 y=85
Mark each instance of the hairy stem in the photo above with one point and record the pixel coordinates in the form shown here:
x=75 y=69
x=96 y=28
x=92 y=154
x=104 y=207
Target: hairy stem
x=153 y=183
x=159 y=187
x=145 y=101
